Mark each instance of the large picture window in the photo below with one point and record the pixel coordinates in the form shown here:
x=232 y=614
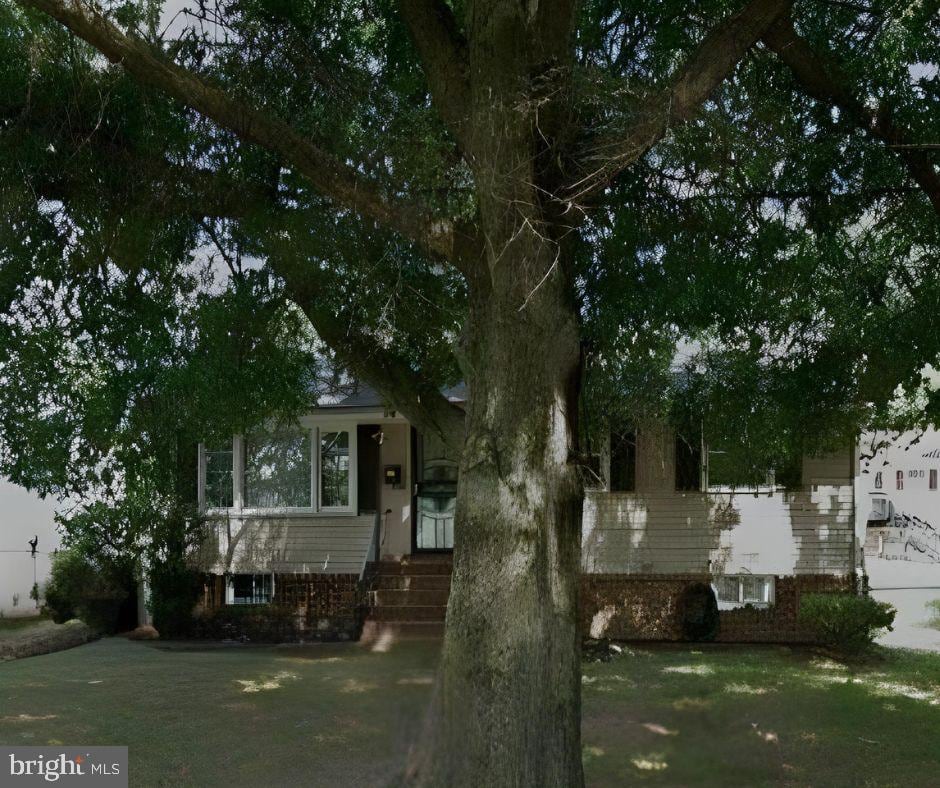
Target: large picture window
x=277 y=470
x=293 y=471
x=220 y=478
x=334 y=470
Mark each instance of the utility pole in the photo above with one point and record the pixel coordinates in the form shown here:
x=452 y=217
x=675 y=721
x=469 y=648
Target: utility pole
x=33 y=543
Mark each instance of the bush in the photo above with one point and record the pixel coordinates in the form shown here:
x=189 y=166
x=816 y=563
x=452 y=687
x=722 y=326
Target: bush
x=847 y=623
x=98 y=594
x=698 y=612
x=257 y=623
x=174 y=591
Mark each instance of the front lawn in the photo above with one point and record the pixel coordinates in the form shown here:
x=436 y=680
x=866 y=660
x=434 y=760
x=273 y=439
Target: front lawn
x=11 y=625
x=338 y=715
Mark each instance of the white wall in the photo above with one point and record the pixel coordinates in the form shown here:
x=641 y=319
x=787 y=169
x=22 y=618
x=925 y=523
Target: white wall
x=658 y=530
x=23 y=516
x=397 y=524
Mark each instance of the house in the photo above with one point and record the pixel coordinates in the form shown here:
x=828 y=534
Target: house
x=899 y=507
x=350 y=517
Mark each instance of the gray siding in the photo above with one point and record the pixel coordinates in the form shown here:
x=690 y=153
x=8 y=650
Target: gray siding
x=809 y=531
x=323 y=544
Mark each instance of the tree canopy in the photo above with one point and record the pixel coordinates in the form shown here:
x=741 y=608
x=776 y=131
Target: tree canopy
x=546 y=199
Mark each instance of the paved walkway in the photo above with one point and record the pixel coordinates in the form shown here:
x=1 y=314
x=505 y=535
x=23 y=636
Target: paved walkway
x=909 y=587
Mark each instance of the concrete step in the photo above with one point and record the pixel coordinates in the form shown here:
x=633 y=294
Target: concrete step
x=436 y=597
x=423 y=566
x=409 y=613
x=417 y=582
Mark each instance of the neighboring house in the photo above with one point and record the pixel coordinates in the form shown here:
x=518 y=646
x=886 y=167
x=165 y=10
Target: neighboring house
x=351 y=516
x=899 y=495
x=24 y=517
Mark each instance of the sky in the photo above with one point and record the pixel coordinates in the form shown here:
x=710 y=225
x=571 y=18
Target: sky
x=23 y=515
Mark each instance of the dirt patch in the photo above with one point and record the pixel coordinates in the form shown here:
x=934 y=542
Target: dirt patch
x=44 y=638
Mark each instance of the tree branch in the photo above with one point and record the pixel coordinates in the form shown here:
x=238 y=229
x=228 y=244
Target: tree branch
x=711 y=63
x=334 y=179
x=821 y=77
x=443 y=53
x=422 y=404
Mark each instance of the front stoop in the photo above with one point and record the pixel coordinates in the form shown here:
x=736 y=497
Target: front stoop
x=409 y=596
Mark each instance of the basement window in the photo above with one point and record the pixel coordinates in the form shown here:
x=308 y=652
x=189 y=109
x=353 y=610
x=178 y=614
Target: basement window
x=245 y=589
x=733 y=591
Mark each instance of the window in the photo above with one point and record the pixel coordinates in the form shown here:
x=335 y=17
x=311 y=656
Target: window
x=688 y=464
x=878 y=480
x=277 y=470
x=220 y=488
x=739 y=590
x=623 y=461
x=900 y=479
x=334 y=470
x=250 y=589
x=933 y=478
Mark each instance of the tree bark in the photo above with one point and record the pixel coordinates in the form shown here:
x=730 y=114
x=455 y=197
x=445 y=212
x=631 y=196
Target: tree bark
x=508 y=707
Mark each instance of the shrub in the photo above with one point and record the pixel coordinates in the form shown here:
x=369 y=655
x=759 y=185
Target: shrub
x=698 y=612
x=174 y=591
x=847 y=623
x=97 y=593
x=258 y=623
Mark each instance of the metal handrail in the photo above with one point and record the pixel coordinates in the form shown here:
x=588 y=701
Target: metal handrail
x=373 y=546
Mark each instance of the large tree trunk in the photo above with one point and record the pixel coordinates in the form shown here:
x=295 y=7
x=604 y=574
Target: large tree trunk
x=508 y=708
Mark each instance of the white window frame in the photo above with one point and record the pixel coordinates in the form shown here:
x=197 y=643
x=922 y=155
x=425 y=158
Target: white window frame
x=230 y=588
x=201 y=479
x=350 y=429
x=314 y=426
x=770 y=586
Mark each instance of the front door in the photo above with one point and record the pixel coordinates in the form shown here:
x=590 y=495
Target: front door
x=436 y=495
x=367 y=467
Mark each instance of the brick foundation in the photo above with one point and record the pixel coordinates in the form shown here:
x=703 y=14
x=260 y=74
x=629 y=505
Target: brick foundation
x=645 y=607
x=305 y=607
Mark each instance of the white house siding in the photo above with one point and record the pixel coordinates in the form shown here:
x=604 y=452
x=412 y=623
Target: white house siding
x=397 y=523
x=659 y=531
x=804 y=532
x=338 y=544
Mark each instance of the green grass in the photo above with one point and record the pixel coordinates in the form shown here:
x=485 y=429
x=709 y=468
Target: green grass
x=756 y=716
x=13 y=625
x=338 y=715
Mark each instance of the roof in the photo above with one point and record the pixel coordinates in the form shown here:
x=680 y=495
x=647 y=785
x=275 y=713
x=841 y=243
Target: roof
x=367 y=398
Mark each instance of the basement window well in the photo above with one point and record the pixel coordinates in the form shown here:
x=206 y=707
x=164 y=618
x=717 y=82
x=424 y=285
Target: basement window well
x=245 y=589
x=734 y=591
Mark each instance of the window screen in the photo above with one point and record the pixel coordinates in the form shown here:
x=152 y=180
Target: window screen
x=334 y=469
x=277 y=469
x=219 y=491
